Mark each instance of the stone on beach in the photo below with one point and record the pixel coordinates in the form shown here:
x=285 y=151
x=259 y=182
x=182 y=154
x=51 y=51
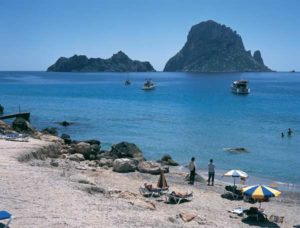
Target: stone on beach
x=50 y=131
x=124 y=165
x=105 y=162
x=23 y=126
x=76 y=157
x=152 y=167
x=126 y=150
x=168 y=160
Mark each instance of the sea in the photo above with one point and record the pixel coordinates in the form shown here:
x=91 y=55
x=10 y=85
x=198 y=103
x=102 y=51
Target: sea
x=187 y=115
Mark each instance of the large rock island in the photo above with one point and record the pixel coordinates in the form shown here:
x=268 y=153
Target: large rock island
x=119 y=62
x=212 y=47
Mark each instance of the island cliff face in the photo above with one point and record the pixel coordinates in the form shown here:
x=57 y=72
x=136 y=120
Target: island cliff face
x=119 y=62
x=212 y=47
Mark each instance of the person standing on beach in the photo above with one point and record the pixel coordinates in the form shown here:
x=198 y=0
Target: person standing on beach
x=192 y=168
x=211 y=172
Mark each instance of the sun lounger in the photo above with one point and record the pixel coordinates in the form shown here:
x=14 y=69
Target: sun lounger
x=149 y=191
x=4 y=215
x=233 y=192
x=178 y=197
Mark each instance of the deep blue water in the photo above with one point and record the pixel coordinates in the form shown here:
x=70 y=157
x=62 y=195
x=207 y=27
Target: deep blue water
x=186 y=115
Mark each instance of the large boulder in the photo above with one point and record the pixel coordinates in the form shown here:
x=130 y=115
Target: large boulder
x=87 y=150
x=23 y=126
x=50 y=131
x=76 y=157
x=105 y=162
x=124 y=165
x=168 y=160
x=126 y=150
x=151 y=167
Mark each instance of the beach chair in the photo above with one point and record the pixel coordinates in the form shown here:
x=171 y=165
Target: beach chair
x=148 y=191
x=235 y=193
x=4 y=215
x=178 y=197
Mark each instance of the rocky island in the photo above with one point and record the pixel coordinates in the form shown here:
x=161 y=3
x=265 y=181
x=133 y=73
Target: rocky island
x=212 y=47
x=119 y=62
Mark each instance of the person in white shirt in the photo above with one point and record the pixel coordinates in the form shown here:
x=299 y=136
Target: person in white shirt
x=192 y=168
x=211 y=172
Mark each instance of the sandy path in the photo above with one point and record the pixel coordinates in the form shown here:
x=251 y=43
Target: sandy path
x=45 y=196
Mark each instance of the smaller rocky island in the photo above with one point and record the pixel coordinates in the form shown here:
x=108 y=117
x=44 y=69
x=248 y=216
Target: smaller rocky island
x=119 y=62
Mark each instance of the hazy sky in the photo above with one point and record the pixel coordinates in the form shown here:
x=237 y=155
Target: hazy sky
x=34 y=33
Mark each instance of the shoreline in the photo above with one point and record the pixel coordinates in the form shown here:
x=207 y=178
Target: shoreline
x=60 y=192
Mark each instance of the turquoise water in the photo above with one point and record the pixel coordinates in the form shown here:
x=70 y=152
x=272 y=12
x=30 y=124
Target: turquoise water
x=187 y=115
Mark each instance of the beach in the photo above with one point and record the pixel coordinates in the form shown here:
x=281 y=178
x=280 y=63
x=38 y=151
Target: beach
x=64 y=193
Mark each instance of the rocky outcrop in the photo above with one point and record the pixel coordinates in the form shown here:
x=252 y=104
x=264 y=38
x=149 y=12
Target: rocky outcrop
x=50 y=131
x=119 y=62
x=212 y=47
x=151 y=167
x=168 y=160
x=124 y=165
x=258 y=58
x=23 y=126
x=126 y=150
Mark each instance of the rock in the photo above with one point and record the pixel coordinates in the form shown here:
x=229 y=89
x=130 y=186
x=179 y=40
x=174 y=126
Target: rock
x=187 y=216
x=119 y=62
x=50 y=131
x=65 y=123
x=54 y=163
x=93 y=142
x=82 y=148
x=236 y=149
x=1 y=109
x=51 y=138
x=124 y=165
x=212 y=47
x=4 y=126
x=76 y=157
x=105 y=162
x=23 y=126
x=126 y=150
x=168 y=160
x=198 y=178
x=67 y=138
x=151 y=167
x=257 y=57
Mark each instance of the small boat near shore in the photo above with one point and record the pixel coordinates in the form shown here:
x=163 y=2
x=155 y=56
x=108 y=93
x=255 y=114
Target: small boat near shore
x=240 y=87
x=148 y=85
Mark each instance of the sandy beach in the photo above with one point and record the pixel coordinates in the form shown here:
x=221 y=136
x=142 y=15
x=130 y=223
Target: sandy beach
x=72 y=194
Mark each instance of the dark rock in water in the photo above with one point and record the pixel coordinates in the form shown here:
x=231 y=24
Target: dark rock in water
x=67 y=138
x=65 y=123
x=212 y=47
x=126 y=150
x=23 y=126
x=93 y=141
x=258 y=58
x=152 y=167
x=124 y=165
x=168 y=160
x=119 y=62
x=50 y=131
x=1 y=109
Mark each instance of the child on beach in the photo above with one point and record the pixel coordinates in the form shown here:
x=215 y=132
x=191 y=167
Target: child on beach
x=192 y=168
x=211 y=172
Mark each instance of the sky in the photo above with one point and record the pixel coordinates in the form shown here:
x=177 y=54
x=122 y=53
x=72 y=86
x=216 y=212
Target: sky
x=35 y=33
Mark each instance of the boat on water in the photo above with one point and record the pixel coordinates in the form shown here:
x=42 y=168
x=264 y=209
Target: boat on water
x=148 y=85
x=127 y=82
x=240 y=87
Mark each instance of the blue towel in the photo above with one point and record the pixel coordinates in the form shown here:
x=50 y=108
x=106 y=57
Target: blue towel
x=4 y=215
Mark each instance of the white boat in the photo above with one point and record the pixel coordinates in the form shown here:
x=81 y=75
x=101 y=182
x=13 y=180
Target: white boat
x=148 y=85
x=240 y=87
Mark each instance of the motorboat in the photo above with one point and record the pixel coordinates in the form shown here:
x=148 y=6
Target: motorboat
x=148 y=85
x=240 y=87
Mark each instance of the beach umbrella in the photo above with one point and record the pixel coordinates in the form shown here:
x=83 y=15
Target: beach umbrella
x=236 y=173
x=260 y=192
